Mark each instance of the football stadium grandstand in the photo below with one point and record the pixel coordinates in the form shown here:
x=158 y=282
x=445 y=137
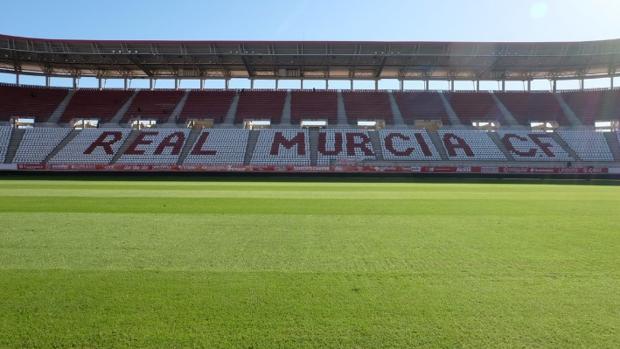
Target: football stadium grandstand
x=500 y=131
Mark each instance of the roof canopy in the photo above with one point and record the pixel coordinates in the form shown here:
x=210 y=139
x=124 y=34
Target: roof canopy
x=310 y=60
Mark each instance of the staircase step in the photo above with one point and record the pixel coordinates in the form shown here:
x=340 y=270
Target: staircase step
x=342 y=111
x=286 y=110
x=562 y=143
x=16 y=139
x=498 y=142
x=229 y=119
x=61 y=145
x=508 y=117
x=376 y=144
x=614 y=144
x=120 y=114
x=570 y=114
x=60 y=110
x=398 y=116
x=249 y=150
x=176 y=112
x=438 y=143
x=189 y=144
x=314 y=146
x=454 y=119
x=128 y=141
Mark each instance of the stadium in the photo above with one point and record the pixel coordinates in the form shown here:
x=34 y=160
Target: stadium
x=449 y=202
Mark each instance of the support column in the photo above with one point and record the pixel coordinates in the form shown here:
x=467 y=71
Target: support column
x=582 y=84
x=612 y=82
x=75 y=83
x=176 y=84
x=277 y=83
x=451 y=85
x=503 y=85
x=251 y=84
x=401 y=85
x=326 y=84
x=99 y=84
x=151 y=84
x=377 y=85
x=529 y=86
x=302 y=84
x=202 y=84
x=427 y=85
x=125 y=84
x=351 y=84
x=477 y=85
x=227 y=82
x=554 y=86
x=17 y=78
x=47 y=81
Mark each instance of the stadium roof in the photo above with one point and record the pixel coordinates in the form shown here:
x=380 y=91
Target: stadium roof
x=310 y=59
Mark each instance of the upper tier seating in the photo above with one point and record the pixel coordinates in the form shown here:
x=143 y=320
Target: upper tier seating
x=282 y=147
x=591 y=106
x=164 y=147
x=101 y=105
x=527 y=107
x=336 y=146
x=589 y=145
x=37 y=143
x=220 y=147
x=207 y=104
x=478 y=145
x=367 y=105
x=533 y=146
x=153 y=105
x=421 y=106
x=81 y=151
x=260 y=105
x=29 y=101
x=314 y=105
x=474 y=106
x=5 y=139
x=407 y=145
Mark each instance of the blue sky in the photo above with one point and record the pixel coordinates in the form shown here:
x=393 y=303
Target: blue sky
x=399 y=20
x=442 y=20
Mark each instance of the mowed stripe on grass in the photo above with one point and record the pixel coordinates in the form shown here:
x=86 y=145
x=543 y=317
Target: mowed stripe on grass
x=263 y=265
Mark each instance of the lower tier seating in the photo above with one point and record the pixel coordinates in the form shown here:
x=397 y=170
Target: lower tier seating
x=92 y=146
x=407 y=145
x=589 y=146
x=533 y=146
x=38 y=142
x=155 y=147
x=282 y=147
x=470 y=145
x=219 y=147
x=344 y=146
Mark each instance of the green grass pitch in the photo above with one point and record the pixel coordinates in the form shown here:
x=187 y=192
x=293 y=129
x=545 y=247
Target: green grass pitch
x=258 y=264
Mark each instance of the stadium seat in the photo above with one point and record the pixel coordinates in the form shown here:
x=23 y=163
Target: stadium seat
x=37 y=143
x=207 y=105
x=260 y=105
x=407 y=145
x=219 y=147
x=589 y=145
x=96 y=104
x=155 y=147
x=282 y=147
x=314 y=105
x=470 y=145
x=533 y=146
x=92 y=146
x=157 y=105
x=344 y=145
x=367 y=105
x=29 y=101
x=421 y=106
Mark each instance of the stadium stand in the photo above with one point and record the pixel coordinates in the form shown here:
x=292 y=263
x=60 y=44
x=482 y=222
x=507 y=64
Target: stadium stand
x=282 y=147
x=529 y=107
x=592 y=106
x=38 y=142
x=314 y=105
x=260 y=105
x=337 y=146
x=367 y=105
x=474 y=106
x=589 y=145
x=533 y=146
x=156 y=105
x=5 y=138
x=421 y=106
x=207 y=104
x=470 y=145
x=96 y=104
x=155 y=147
x=219 y=147
x=29 y=102
x=92 y=146
x=407 y=145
